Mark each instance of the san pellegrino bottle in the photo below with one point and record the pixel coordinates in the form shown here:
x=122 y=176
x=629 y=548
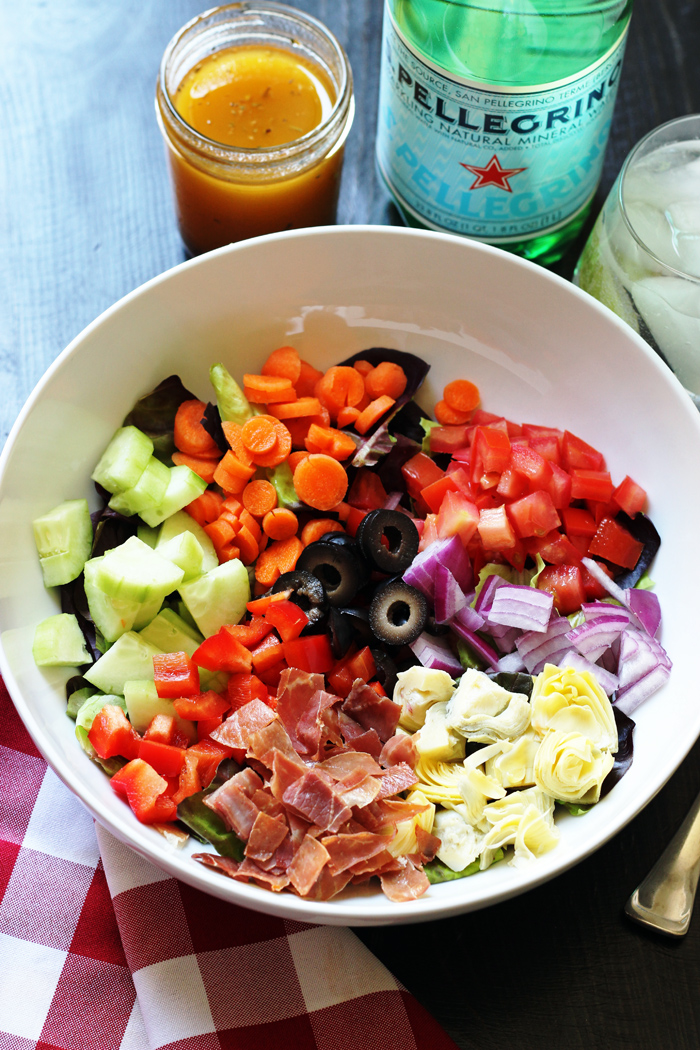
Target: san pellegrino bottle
x=494 y=115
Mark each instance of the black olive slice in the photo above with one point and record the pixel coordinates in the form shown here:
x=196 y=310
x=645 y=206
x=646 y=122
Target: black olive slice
x=359 y=621
x=397 y=613
x=343 y=540
x=307 y=592
x=342 y=632
x=338 y=569
x=386 y=670
x=401 y=537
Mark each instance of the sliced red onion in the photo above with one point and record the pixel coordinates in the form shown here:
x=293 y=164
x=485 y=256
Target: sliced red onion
x=639 y=655
x=449 y=596
x=505 y=636
x=629 y=700
x=538 y=649
x=486 y=595
x=435 y=653
x=511 y=663
x=608 y=682
x=604 y=580
x=478 y=644
x=451 y=553
x=469 y=618
x=595 y=636
x=645 y=606
x=523 y=607
x=604 y=611
x=392 y=501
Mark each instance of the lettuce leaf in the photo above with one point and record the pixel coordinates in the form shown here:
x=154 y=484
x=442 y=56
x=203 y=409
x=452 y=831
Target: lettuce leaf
x=439 y=872
x=154 y=414
x=206 y=824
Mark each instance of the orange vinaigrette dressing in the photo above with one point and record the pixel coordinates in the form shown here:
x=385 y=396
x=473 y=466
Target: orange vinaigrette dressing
x=252 y=97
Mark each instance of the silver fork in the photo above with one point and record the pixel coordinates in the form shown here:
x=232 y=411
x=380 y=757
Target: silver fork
x=664 y=900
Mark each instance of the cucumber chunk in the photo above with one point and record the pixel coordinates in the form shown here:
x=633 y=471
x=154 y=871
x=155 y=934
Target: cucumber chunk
x=124 y=460
x=136 y=572
x=59 y=642
x=63 y=539
x=147 y=493
x=143 y=704
x=130 y=657
x=185 y=552
x=147 y=535
x=219 y=596
x=182 y=522
x=77 y=699
x=113 y=617
x=183 y=487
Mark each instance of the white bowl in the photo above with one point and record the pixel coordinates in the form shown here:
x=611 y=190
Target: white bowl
x=540 y=350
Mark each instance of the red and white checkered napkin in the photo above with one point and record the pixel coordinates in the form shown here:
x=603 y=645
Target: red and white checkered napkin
x=82 y=935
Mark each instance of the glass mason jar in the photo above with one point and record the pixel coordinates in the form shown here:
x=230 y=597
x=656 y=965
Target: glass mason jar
x=494 y=115
x=226 y=192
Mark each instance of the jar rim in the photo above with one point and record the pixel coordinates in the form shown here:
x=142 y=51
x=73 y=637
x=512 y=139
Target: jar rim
x=260 y=154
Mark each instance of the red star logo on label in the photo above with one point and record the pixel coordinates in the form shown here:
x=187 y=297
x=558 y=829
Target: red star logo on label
x=492 y=175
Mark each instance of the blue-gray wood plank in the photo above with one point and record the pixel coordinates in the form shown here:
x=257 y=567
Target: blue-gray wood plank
x=85 y=216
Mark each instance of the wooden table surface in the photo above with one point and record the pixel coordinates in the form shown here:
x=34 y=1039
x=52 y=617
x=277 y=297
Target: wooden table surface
x=85 y=216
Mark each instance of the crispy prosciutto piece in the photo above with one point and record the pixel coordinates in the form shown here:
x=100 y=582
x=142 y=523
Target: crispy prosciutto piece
x=327 y=885
x=309 y=860
x=286 y=769
x=237 y=730
x=380 y=863
x=226 y=865
x=294 y=693
x=406 y=884
x=346 y=850
x=356 y=737
x=310 y=729
x=359 y=793
x=262 y=745
x=248 y=869
x=371 y=710
x=428 y=845
x=399 y=778
x=314 y=796
x=384 y=813
x=233 y=802
x=399 y=748
x=266 y=835
x=340 y=766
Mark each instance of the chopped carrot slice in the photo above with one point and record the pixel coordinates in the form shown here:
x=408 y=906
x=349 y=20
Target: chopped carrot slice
x=232 y=433
x=387 y=378
x=303 y=406
x=295 y=458
x=448 y=417
x=347 y=416
x=284 y=362
x=259 y=435
x=374 y=411
x=247 y=544
x=308 y=378
x=280 y=524
x=231 y=475
x=331 y=441
x=280 y=450
x=220 y=532
x=340 y=386
x=320 y=482
x=317 y=527
x=205 y=508
x=189 y=435
x=246 y=519
x=262 y=389
x=277 y=558
x=199 y=464
x=461 y=395
x=259 y=497
x=363 y=367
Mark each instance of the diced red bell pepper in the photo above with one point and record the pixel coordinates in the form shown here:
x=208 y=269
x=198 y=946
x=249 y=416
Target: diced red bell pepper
x=378 y=688
x=222 y=652
x=188 y=781
x=175 y=674
x=419 y=472
x=203 y=705
x=251 y=633
x=362 y=665
x=112 y=734
x=356 y=515
x=340 y=679
x=565 y=583
x=458 y=516
x=630 y=497
x=268 y=653
x=577 y=455
x=288 y=619
x=615 y=544
x=165 y=730
x=366 y=491
x=495 y=531
x=208 y=755
x=242 y=688
x=312 y=653
x=145 y=791
x=591 y=485
x=164 y=758
x=533 y=515
x=206 y=726
x=270 y=677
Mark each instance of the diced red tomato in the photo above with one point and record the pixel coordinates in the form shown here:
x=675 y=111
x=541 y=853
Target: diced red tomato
x=591 y=485
x=576 y=454
x=531 y=465
x=578 y=522
x=458 y=516
x=495 y=530
x=449 y=439
x=175 y=674
x=491 y=451
x=566 y=584
x=559 y=487
x=594 y=590
x=112 y=734
x=630 y=497
x=165 y=759
x=288 y=619
x=533 y=515
x=615 y=544
x=481 y=418
x=419 y=472
x=366 y=491
x=545 y=440
x=145 y=791
x=554 y=548
x=512 y=485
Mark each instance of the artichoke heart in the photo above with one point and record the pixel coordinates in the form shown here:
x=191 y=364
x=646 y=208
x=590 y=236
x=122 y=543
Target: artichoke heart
x=460 y=841
x=416 y=690
x=404 y=841
x=571 y=701
x=525 y=820
x=514 y=767
x=484 y=712
x=440 y=781
x=476 y=788
x=435 y=740
x=570 y=767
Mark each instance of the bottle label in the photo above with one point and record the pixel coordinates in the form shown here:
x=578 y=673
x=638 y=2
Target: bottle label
x=491 y=162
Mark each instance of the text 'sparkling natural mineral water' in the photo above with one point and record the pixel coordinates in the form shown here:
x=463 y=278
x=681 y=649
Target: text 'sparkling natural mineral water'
x=494 y=115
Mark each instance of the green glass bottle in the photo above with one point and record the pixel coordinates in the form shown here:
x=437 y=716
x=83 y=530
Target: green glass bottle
x=494 y=115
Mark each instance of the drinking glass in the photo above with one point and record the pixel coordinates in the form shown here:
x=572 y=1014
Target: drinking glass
x=642 y=259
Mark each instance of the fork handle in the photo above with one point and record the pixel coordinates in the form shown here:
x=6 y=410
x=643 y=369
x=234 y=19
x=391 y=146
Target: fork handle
x=664 y=900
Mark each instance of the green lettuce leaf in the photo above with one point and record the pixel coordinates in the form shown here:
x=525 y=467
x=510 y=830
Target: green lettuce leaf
x=232 y=403
x=439 y=872
x=206 y=824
